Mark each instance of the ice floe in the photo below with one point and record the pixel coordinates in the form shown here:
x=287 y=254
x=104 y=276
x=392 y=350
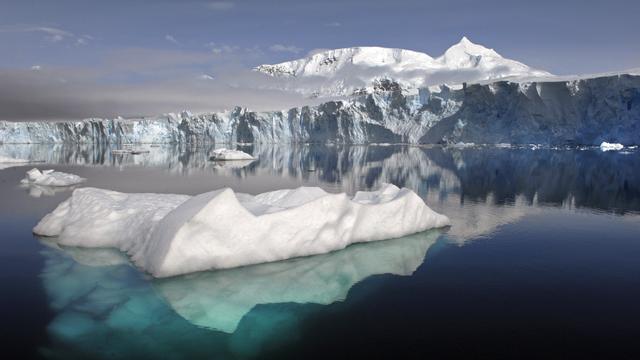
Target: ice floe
x=168 y=235
x=605 y=146
x=227 y=154
x=51 y=178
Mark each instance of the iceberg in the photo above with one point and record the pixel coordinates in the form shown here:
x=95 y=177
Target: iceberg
x=226 y=154
x=168 y=235
x=51 y=178
x=605 y=146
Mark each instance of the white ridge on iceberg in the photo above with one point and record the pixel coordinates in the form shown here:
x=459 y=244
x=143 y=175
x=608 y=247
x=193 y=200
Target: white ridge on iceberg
x=51 y=178
x=169 y=235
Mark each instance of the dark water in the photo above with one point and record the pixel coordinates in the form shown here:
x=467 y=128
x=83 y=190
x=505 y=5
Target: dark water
x=542 y=261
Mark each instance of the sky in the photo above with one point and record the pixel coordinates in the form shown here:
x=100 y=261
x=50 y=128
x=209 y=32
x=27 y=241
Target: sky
x=79 y=58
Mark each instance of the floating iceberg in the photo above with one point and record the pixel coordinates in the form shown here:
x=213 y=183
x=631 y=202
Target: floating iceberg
x=168 y=235
x=226 y=154
x=605 y=146
x=51 y=178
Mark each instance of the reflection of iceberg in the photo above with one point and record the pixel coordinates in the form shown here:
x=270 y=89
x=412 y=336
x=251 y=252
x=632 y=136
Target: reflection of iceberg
x=231 y=164
x=169 y=235
x=220 y=299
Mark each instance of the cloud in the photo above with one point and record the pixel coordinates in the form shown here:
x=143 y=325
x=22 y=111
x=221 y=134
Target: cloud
x=140 y=81
x=285 y=48
x=333 y=24
x=171 y=39
x=220 y=5
x=51 y=34
x=36 y=68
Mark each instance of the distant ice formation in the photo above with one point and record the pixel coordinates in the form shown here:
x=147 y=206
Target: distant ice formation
x=168 y=235
x=7 y=162
x=51 y=178
x=605 y=146
x=568 y=112
x=227 y=154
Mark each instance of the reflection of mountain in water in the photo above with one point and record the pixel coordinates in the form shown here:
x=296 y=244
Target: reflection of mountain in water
x=99 y=297
x=557 y=177
x=479 y=188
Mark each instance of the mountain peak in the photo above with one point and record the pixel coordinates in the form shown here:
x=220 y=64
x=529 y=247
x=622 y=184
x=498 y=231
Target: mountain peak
x=465 y=41
x=343 y=71
x=466 y=46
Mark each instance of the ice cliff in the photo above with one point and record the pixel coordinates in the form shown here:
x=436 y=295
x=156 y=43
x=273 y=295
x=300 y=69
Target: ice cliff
x=582 y=111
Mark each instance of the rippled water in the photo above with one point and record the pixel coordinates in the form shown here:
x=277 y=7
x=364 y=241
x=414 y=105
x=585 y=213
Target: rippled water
x=541 y=260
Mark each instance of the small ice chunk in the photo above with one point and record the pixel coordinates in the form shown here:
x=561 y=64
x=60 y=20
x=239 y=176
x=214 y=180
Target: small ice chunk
x=169 y=235
x=51 y=178
x=605 y=146
x=227 y=154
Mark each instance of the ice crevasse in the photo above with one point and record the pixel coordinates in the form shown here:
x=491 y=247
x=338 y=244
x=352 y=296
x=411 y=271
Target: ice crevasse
x=169 y=235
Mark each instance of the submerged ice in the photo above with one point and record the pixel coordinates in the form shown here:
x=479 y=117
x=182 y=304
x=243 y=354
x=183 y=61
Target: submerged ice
x=100 y=301
x=168 y=235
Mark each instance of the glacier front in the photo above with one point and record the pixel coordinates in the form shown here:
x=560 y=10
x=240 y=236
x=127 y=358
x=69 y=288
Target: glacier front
x=567 y=112
x=169 y=235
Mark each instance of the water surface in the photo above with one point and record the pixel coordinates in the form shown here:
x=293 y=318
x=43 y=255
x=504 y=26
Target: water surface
x=541 y=260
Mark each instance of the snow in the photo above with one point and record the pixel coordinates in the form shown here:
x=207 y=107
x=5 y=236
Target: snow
x=51 y=178
x=344 y=71
x=169 y=235
x=227 y=154
x=605 y=146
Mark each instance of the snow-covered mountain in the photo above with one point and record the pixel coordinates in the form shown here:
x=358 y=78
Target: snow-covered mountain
x=358 y=70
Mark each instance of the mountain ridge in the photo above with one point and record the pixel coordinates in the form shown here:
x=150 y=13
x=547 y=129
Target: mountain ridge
x=345 y=71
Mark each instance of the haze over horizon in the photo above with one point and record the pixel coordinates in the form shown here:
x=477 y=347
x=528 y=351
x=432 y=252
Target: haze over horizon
x=75 y=59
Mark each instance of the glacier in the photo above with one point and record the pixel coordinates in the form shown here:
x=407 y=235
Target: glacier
x=567 y=112
x=168 y=235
